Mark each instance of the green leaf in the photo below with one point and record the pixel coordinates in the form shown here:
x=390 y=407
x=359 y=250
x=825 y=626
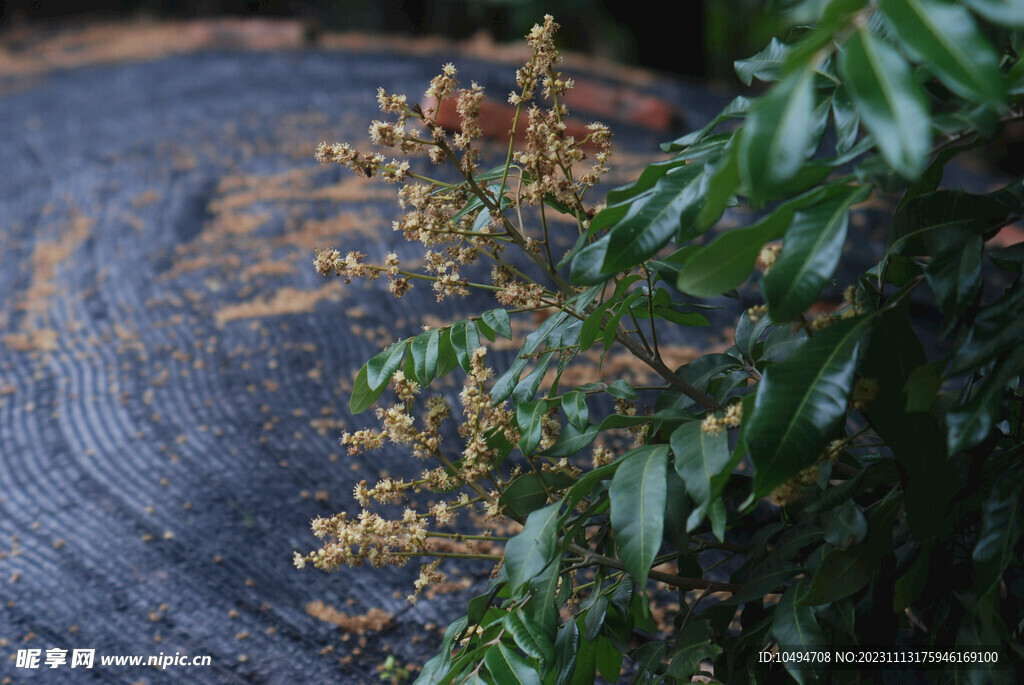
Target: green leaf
x=1001 y=523
x=527 y=387
x=613 y=323
x=801 y=402
x=608 y=659
x=933 y=222
x=922 y=387
x=529 y=637
x=971 y=423
x=764 y=579
x=1005 y=12
x=530 y=421
x=543 y=605
x=727 y=261
x=765 y=65
x=811 y=250
x=693 y=644
x=527 y=493
x=699 y=457
x=845 y=525
x=529 y=552
x=498 y=320
x=362 y=396
x=594 y=620
x=571 y=440
x=567 y=645
x=721 y=177
x=841 y=573
x=384 y=364
x=955 y=277
x=574 y=404
x=794 y=624
x=889 y=100
x=946 y=39
x=425 y=350
x=506 y=666
x=846 y=119
x=737 y=107
x=778 y=134
x=637 y=493
x=507 y=382
x=465 y=340
x=998 y=327
x=649 y=224
x=621 y=389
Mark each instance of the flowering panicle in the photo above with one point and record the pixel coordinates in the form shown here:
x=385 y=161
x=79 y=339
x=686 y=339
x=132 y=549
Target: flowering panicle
x=459 y=224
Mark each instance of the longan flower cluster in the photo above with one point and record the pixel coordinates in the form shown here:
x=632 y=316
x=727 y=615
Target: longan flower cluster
x=790 y=491
x=330 y=261
x=368 y=538
x=732 y=418
x=768 y=256
x=542 y=41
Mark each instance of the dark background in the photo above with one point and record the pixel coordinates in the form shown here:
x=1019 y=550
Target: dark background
x=705 y=45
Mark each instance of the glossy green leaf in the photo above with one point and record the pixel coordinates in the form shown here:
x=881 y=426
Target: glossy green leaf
x=527 y=493
x=737 y=107
x=425 y=349
x=363 y=396
x=507 y=382
x=613 y=322
x=845 y=525
x=765 y=65
x=571 y=440
x=1005 y=12
x=465 y=340
x=699 y=457
x=529 y=552
x=543 y=605
x=728 y=261
x=800 y=402
x=933 y=222
x=1002 y=519
x=498 y=320
x=846 y=119
x=594 y=619
x=922 y=387
x=997 y=328
x=574 y=404
x=527 y=388
x=794 y=624
x=650 y=224
x=638 y=494
x=946 y=39
x=721 y=177
x=621 y=389
x=693 y=644
x=955 y=277
x=971 y=423
x=530 y=420
x=889 y=100
x=384 y=364
x=508 y=667
x=811 y=250
x=764 y=579
x=777 y=136
x=529 y=637
x=608 y=659
x=567 y=645
x=841 y=573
